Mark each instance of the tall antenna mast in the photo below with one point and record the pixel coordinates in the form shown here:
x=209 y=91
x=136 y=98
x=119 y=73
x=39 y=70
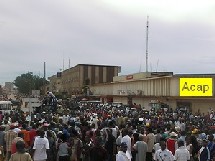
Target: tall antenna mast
x=44 y=65
x=147 y=34
x=63 y=64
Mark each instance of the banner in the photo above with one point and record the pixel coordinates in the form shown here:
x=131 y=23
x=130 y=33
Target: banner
x=196 y=87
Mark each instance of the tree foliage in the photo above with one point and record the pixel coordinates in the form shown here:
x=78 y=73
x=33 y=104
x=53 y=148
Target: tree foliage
x=28 y=82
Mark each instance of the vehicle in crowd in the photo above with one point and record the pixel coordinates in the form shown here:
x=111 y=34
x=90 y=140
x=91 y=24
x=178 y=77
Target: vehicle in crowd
x=6 y=107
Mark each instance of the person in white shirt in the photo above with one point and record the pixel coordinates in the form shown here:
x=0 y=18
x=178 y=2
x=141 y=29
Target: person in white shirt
x=182 y=125
x=182 y=154
x=121 y=155
x=150 y=140
x=127 y=140
x=41 y=144
x=155 y=148
x=118 y=139
x=163 y=154
x=141 y=147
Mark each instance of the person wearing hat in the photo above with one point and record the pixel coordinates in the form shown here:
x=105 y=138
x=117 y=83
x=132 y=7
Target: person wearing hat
x=20 y=154
x=172 y=142
x=121 y=155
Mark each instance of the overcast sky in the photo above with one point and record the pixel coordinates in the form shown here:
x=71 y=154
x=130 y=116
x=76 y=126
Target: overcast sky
x=106 y=32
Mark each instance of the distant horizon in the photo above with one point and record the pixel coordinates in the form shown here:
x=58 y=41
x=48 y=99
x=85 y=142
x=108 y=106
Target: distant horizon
x=119 y=74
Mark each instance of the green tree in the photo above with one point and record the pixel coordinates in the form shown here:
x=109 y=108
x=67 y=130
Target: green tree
x=28 y=82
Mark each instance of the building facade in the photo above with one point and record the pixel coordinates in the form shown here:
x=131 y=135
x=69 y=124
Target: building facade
x=9 y=86
x=73 y=80
x=153 y=89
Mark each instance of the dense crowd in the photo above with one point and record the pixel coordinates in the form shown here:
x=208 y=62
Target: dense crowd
x=70 y=131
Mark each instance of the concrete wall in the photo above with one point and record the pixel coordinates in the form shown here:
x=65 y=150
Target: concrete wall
x=101 y=89
x=124 y=100
x=202 y=105
x=174 y=86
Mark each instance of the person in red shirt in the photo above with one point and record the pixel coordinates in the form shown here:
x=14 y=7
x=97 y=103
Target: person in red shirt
x=171 y=142
x=26 y=135
x=32 y=134
x=15 y=140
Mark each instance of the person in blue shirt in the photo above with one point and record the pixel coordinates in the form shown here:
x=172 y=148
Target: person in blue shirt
x=204 y=152
x=211 y=146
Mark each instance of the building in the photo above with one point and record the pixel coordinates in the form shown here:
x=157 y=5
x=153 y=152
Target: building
x=9 y=87
x=1 y=90
x=55 y=84
x=72 y=81
x=156 y=89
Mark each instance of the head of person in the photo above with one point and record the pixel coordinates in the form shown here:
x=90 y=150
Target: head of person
x=20 y=146
x=193 y=140
x=210 y=137
x=183 y=133
x=12 y=127
x=21 y=135
x=87 y=139
x=187 y=140
x=173 y=135
x=163 y=144
x=64 y=138
x=74 y=133
x=136 y=137
x=98 y=141
x=149 y=130
x=49 y=134
x=124 y=132
x=180 y=143
x=123 y=147
x=204 y=143
x=41 y=133
x=24 y=126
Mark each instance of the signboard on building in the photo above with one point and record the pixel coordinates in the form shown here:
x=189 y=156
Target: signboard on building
x=196 y=87
x=129 y=77
x=29 y=103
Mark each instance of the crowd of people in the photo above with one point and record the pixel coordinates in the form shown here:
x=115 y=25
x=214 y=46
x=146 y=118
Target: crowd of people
x=71 y=131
